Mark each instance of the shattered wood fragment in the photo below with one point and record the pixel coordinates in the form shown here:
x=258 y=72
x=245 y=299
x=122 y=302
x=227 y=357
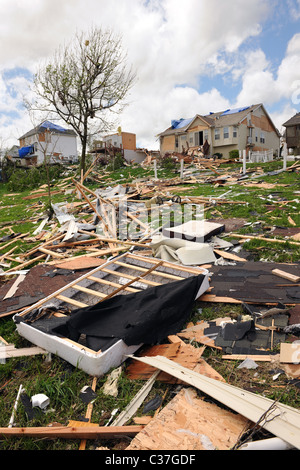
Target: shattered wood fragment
x=227 y=255
x=281 y=420
x=188 y=423
x=179 y=352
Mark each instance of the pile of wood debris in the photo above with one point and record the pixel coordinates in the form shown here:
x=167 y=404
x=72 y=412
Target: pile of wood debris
x=84 y=235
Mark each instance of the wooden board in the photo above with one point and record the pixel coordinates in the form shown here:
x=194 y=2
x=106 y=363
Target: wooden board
x=72 y=432
x=285 y=275
x=190 y=423
x=181 y=353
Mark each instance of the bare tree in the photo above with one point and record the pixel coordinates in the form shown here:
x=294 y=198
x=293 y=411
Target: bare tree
x=84 y=82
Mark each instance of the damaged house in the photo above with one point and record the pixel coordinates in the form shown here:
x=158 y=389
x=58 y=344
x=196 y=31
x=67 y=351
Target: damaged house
x=249 y=128
x=50 y=141
x=123 y=143
x=293 y=133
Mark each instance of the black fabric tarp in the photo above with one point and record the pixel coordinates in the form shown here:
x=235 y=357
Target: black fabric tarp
x=145 y=317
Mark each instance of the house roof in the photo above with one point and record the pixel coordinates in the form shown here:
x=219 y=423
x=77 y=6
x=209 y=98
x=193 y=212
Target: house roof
x=56 y=129
x=293 y=121
x=229 y=117
x=180 y=126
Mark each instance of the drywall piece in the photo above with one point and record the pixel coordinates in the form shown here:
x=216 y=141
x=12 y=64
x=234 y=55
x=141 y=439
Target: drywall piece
x=100 y=283
x=279 y=419
x=290 y=352
x=178 y=250
x=188 y=423
x=111 y=385
x=194 y=230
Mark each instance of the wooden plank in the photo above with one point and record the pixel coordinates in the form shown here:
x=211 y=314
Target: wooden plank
x=254 y=357
x=7 y=352
x=265 y=239
x=227 y=255
x=72 y=432
x=285 y=275
x=158 y=273
x=129 y=276
x=110 y=283
x=88 y=414
x=27 y=263
x=71 y=301
x=89 y=291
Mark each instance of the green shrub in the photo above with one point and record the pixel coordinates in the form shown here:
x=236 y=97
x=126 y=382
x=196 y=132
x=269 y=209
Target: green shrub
x=21 y=178
x=167 y=162
x=233 y=154
x=116 y=162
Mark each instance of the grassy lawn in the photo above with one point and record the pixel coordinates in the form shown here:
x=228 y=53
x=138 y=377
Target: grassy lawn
x=262 y=209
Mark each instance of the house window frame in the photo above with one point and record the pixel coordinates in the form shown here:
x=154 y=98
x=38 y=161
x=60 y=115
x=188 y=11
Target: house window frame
x=235 y=132
x=262 y=138
x=226 y=132
x=217 y=133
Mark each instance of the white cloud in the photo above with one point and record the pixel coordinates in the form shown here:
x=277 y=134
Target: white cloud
x=170 y=43
x=261 y=84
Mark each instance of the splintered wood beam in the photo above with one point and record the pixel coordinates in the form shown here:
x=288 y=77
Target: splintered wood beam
x=72 y=432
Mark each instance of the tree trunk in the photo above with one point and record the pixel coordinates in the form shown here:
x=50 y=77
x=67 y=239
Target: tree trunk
x=83 y=155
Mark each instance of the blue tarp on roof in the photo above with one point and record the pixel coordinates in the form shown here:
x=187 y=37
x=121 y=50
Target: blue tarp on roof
x=24 y=151
x=178 y=124
x=50 y=125
x=233 y=111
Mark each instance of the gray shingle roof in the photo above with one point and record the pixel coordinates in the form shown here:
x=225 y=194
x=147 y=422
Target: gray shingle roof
x=293 y=121
x=41 y=128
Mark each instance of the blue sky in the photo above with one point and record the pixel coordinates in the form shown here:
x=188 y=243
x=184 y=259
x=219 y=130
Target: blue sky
x=190 y=57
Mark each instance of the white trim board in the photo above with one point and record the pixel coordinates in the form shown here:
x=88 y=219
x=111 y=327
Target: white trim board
x=281 y=420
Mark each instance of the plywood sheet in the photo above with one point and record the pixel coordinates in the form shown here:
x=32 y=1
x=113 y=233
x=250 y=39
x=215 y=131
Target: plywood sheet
x=181 y=353
x=188 y=422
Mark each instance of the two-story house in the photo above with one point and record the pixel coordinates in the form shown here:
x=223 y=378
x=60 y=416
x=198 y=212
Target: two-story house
x=248 y=128
x=292 y=133
x=48 y=141
x=119 y=142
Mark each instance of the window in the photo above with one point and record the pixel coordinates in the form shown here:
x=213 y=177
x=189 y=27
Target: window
x=176 y=141
x=262 y=138
x=206 y=135
x=235 y=131
x=226 y=133
x=217 y=134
